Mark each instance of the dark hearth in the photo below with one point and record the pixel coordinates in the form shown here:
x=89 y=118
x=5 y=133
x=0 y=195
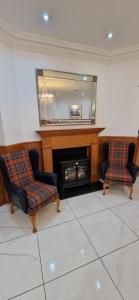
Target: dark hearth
x=73 y=168
x=84 y=189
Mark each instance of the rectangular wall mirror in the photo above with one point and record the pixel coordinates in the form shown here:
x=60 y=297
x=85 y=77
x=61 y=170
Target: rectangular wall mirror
x=66 y=98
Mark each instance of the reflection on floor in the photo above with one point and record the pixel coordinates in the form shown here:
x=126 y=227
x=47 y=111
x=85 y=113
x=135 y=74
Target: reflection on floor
x=88 y=251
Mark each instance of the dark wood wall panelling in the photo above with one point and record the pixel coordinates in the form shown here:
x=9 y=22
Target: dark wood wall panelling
x=38 y=145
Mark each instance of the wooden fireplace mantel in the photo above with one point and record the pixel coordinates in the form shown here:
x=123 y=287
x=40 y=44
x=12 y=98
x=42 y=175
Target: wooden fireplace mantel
x=63 y=138
x=69 y=131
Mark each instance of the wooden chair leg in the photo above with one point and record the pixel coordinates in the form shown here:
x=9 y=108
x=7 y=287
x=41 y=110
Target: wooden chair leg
x=11 y=207
x=33 y=220
x=105 y=185
x=58 y=204
x=131 y=192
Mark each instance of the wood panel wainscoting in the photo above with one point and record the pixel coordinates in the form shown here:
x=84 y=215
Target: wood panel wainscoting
x=38 y=145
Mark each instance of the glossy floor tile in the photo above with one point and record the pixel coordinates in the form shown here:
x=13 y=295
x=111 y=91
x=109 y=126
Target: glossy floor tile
x=64 y=248
x=129 y=214
x=115 y=196
x=86 y=204
x=106 y=232
x=88 y=282
x=20 y=268
x=48 y=216
x=136 y=193
x=4 y=208
x=61 y=258
x=12 y=226
x=36 y=294
x=123 y=266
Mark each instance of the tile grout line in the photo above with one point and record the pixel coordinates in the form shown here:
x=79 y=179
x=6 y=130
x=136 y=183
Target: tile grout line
x=120 y=248
x=107 y=208
x=137 y=236
x=36 y=287
x=93 y=213
x=114 y=205
x=16 y=238
x=112 y=279
x=103 y=264
x=84 y=231
x=26 y=234
x=41 y=266
x=69 y=272
x=100 y=259
x=88 y=263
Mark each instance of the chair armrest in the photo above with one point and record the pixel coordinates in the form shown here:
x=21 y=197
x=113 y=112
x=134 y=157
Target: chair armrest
x=18 y=196
x=103 y=169
x=46 y=177
x=133 y=170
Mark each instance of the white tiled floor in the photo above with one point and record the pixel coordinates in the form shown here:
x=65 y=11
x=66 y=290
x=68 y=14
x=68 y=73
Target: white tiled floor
x=88 y=251
x=86 y=205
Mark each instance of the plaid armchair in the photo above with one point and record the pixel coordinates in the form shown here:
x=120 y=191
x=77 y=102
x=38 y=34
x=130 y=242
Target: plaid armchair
x=117 y=166
x=27 y=187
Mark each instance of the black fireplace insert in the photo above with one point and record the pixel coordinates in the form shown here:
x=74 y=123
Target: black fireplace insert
x=72 y=166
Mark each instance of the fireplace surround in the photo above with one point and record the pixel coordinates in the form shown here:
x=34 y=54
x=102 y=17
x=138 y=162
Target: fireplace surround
x=65 y=137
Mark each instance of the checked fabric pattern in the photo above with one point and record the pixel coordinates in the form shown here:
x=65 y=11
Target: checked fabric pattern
x=20 y=173
x=40 y=194
x=19 y=168
x=117 y=166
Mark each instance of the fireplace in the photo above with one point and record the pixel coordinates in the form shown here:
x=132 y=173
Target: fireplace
x=65 y=137
x=72 y=166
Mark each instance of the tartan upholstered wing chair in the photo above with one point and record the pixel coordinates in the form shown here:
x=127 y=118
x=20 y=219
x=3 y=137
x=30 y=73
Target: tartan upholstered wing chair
x=117 y=166
x=27 y=187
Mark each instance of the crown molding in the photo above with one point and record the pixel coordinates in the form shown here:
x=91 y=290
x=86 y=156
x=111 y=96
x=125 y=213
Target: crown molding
x=46 y=45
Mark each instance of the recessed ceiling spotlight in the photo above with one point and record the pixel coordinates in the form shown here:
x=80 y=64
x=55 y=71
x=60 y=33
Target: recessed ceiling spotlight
x=46 y=17
x=110 y=35
x=82 y=94
x=85 y=78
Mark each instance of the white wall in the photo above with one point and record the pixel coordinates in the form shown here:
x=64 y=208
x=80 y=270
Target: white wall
x=117 y=93
x=25 y=65
x=122 y=104
x=10 y=113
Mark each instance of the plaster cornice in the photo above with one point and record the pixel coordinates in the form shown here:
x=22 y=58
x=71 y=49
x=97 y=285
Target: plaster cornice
x=47 y=45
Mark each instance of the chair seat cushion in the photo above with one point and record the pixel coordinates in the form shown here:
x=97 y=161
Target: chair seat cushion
x=38 y=195
x=121 y=176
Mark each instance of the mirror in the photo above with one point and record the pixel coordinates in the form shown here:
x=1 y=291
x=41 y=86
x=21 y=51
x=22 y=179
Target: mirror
x=66 y=98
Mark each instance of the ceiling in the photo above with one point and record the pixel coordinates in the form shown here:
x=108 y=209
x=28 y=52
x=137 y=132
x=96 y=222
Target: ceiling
x=84 y=22
x=62 y=88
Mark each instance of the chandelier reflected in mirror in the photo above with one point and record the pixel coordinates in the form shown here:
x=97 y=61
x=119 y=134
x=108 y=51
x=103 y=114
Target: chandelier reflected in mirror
x=44 y=96
x=66 y=98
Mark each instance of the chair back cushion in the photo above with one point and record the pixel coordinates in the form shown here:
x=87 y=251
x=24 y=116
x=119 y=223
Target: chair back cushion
x=118 y=155
x=19 y=168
